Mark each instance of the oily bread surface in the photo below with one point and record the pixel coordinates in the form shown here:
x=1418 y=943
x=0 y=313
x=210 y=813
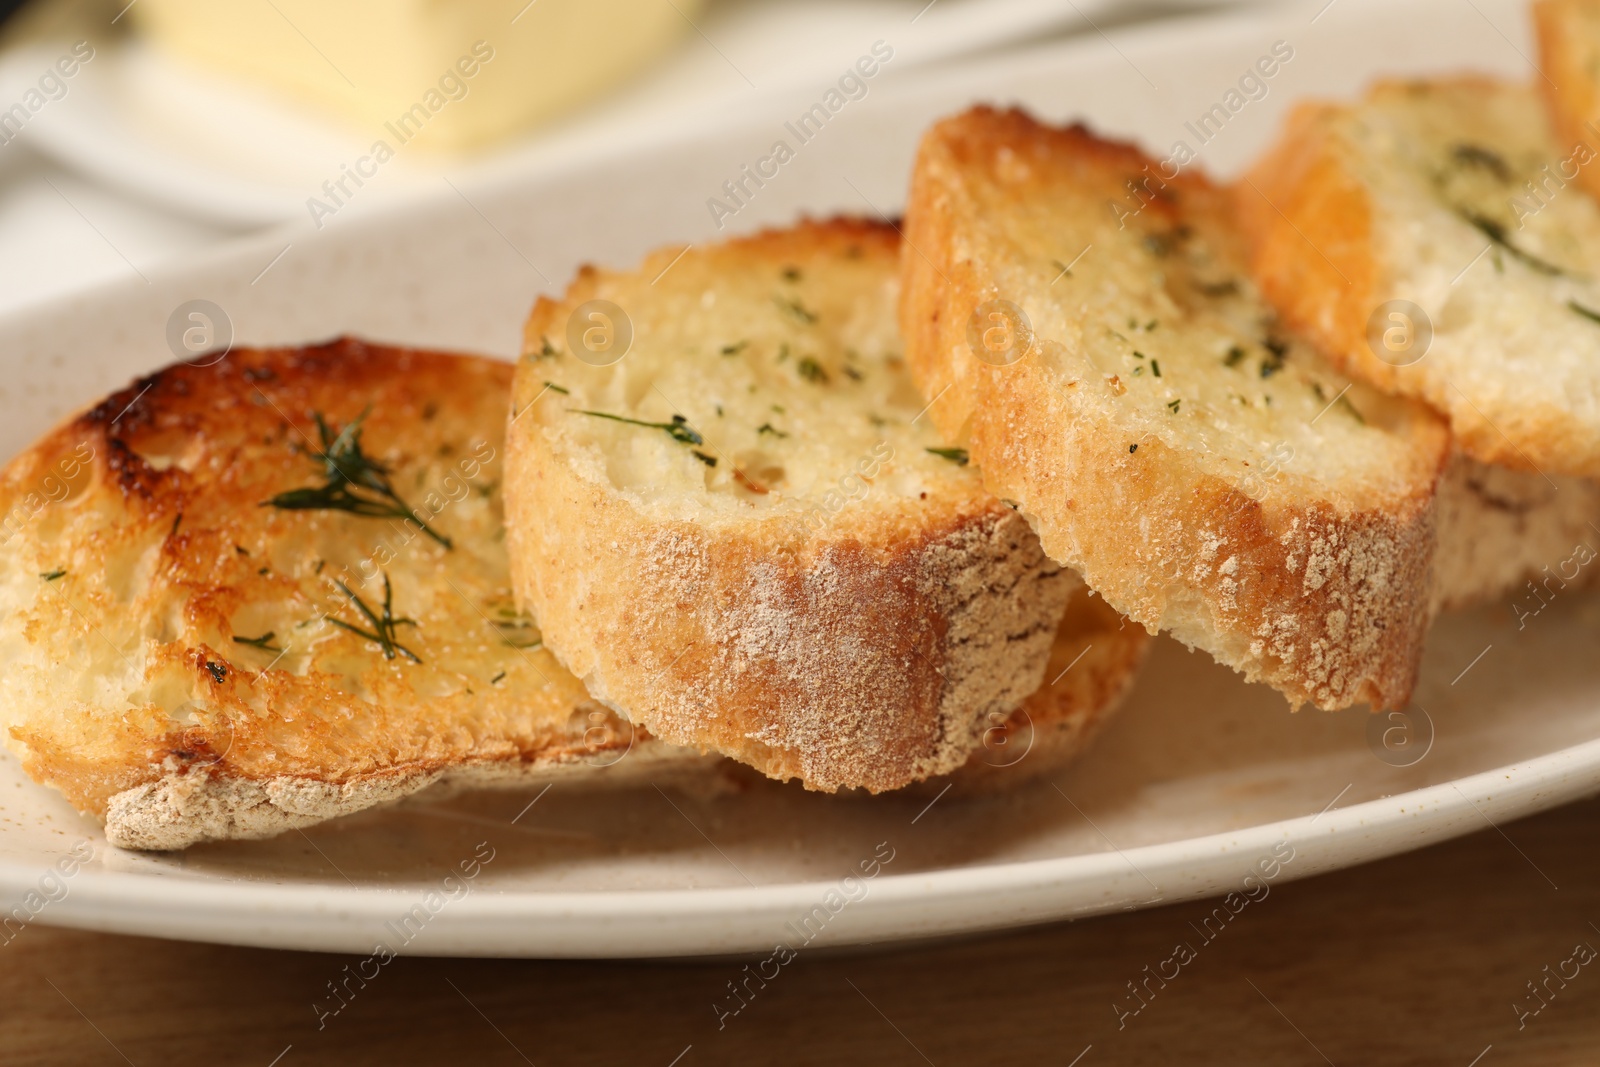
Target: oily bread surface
x=139 y=552
x=1239 y=496
x=792 y=578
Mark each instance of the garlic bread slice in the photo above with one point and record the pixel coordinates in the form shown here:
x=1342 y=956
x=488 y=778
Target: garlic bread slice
x=733 y=522
x=1083 y=324
x=251 y=595
x=1568 y=32
x=1432 y=238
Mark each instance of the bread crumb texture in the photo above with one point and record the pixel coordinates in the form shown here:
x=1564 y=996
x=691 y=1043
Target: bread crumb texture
x=1202 y=466
x=743 y=535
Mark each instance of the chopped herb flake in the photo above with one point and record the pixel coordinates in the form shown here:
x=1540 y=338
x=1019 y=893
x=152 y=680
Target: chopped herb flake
x=796 y=310
x=1588 y=313
x=554 y=388
x=1477 y=155
x=1496 y=233
x=1234 y=357
x=767 y=427
x=51 y=576
x=1172 y=405
x=812 y=371
x=264 y=642
x=735 y=348
x=1226 y=287
x=958 y=456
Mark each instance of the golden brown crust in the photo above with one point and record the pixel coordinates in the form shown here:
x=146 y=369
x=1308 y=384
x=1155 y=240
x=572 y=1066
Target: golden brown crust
x=867 y=653
x=122 y=670
x=1308 y=224
x=1568 y=33
x=1321 y=592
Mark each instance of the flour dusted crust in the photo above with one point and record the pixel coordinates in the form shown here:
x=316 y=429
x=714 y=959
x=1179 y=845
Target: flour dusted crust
x=829 y=600
x=1458 y=196
x=186 y=806
x=1291 y=537
x=1093 y=663
x=138 y=550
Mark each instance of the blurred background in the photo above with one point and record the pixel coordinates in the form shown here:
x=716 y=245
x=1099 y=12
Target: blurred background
x=135 y=132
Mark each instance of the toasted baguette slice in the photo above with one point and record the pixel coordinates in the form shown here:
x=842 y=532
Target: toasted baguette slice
x=178 y=655
x=1204 y=470
x=1447 y=195
x=776 y=559
x=1568 y=32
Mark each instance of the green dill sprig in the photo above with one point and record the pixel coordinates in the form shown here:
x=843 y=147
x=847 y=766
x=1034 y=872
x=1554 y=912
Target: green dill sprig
x=958 y=456
x=1496 y=233
x=383 y=626
x=264 y=642
x=678 y=429
x=1588 y=313
x=355 y=482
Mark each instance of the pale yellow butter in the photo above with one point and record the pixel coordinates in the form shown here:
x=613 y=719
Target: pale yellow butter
x=449 y=74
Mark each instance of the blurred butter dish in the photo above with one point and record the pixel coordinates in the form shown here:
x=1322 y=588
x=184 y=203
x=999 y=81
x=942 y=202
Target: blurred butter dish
x=447 y=75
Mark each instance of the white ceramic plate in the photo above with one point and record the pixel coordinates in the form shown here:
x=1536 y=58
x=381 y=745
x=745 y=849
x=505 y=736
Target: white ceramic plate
x=1191 y=788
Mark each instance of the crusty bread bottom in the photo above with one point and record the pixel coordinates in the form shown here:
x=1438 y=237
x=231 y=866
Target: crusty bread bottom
x=1500 y=528
x=185 y=807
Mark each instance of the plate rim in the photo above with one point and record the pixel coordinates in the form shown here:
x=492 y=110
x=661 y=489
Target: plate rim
x=140 y=902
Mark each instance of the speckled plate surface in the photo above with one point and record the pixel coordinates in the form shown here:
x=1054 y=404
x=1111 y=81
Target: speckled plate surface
x=1201 y=782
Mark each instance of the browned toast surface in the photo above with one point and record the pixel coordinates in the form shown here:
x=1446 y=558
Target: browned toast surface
x=1203 y=468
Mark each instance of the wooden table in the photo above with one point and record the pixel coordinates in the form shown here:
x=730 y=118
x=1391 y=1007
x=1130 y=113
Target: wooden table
x=1414 y=960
